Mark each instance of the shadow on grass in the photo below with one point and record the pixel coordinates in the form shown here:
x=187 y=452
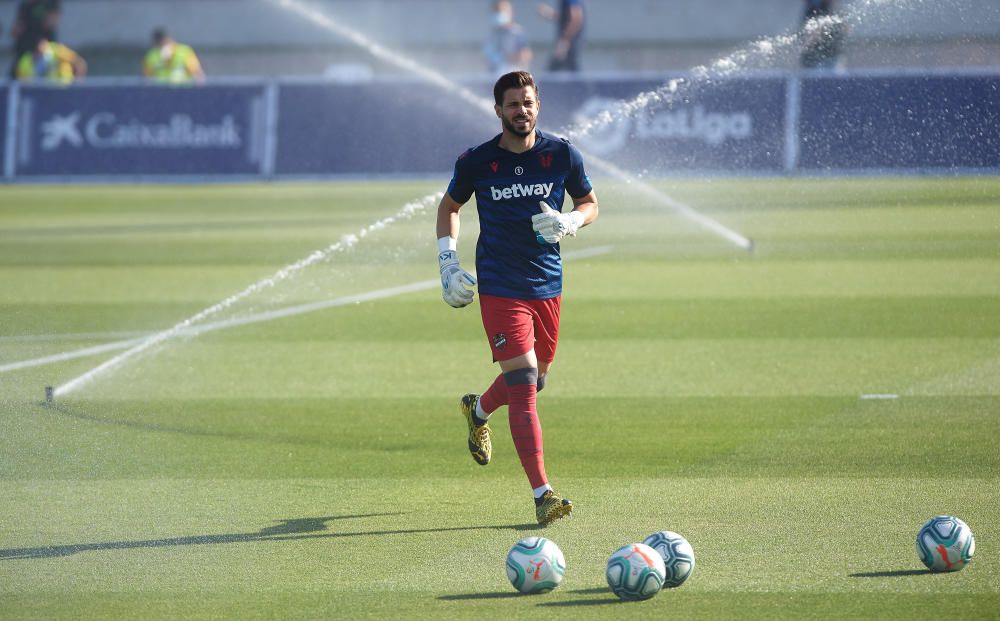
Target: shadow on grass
x=464 y=596
x=584 y=602
x=285 y=530
x=531 y=526
x=458 y=597
x=891 y=574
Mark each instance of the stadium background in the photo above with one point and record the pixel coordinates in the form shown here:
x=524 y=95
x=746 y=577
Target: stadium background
x=280 y=436
x=278 y=83
x=255 y=37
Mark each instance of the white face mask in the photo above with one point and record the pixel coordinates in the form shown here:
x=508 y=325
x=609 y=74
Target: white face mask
x=502 y=19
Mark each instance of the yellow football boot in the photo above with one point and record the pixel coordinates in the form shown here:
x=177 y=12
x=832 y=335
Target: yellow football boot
x=480 y=443
x=552 y=508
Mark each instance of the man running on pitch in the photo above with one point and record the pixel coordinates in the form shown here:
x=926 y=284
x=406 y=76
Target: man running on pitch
x=520 y=179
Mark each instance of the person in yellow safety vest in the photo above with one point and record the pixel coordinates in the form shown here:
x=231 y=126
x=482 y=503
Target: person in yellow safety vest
x=51 y=61
x=170 y=61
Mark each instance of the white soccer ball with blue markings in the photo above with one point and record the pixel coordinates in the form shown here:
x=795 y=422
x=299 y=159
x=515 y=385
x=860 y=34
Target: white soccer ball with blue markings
x=535 y=565
x=677 y=554
x=945 y=543
x=635 y=572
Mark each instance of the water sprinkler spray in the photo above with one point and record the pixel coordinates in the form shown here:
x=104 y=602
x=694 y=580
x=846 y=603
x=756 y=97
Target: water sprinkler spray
x=486 y=105
x=409 y=210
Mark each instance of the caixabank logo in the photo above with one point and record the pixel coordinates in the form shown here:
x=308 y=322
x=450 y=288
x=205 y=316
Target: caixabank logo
x=106 y=130
x=692 y=123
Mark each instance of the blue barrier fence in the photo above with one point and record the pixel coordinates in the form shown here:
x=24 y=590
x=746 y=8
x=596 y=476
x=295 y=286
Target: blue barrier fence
x=899 y=123
x=765 y=124
x=6 y=126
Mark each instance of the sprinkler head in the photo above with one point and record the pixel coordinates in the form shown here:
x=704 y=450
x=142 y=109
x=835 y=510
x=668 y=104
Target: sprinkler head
x=50 y=395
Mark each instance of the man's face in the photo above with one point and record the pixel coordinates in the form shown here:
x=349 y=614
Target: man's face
x=504 y=13
x=519 y=110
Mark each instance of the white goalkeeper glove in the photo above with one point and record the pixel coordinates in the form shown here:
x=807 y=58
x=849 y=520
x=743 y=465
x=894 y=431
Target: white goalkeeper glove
x=551 y=226
x=454 y=280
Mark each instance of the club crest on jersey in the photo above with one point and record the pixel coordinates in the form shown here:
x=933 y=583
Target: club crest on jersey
x=517 y=190
x=494 y=165
x=545 y=159
x=500 y=340
x=519 y=170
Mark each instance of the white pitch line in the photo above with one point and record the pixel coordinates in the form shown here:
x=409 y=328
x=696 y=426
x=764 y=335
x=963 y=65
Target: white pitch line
x=875 y=397
x=281 y=313
x=72 y=336
x=289 y=311
x=69 y=355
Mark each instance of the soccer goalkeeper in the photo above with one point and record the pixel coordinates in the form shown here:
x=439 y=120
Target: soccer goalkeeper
x=520 y=179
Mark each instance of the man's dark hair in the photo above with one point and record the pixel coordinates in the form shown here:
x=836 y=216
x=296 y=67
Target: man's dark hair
x=514 y=79
x=159 y=36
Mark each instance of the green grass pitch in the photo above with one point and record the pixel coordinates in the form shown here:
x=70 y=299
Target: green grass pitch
x=314 y=466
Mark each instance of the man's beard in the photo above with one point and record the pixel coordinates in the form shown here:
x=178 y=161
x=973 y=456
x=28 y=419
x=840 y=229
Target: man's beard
x=509 y=126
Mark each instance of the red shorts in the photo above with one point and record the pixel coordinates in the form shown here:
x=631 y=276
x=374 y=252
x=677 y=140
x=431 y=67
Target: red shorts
x=515 y=327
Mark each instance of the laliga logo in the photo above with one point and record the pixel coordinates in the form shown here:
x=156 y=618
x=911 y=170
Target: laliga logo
x=712 y=128
x=105 y=131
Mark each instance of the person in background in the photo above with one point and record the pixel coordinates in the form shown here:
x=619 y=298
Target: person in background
x=35 y=19
x=507 y=48
x=171 y=62
x=51 y=61
x=823 y=32
x=569 y=21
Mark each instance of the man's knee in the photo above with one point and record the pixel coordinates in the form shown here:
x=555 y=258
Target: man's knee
x=525 y=375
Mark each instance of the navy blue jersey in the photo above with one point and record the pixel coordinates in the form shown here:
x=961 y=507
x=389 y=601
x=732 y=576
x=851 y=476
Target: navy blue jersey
x=510 y=262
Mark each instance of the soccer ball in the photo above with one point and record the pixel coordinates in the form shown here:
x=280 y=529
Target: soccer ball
x=945 y=543
x=535 y=565
x=635 y=572
x=677 y=553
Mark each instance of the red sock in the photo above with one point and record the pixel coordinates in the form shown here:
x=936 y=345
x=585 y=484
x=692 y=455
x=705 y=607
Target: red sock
x=524 y=426
x=495 y=396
